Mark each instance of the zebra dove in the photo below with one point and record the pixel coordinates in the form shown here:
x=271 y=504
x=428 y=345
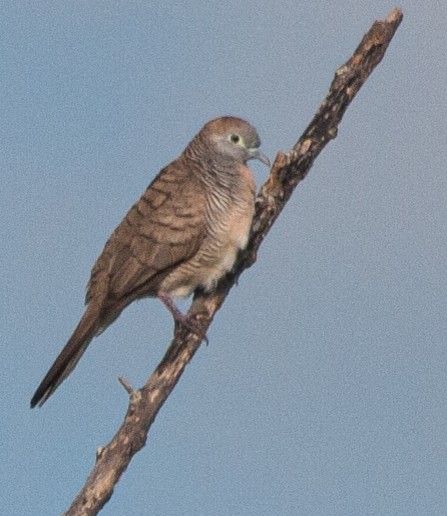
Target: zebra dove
x=183 y=234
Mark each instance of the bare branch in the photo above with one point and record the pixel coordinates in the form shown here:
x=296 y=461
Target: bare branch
x=287 y=171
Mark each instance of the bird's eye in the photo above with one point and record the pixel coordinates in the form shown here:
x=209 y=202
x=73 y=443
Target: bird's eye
x=235 y=138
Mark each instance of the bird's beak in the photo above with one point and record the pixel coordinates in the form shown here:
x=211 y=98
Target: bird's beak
x=257 y=154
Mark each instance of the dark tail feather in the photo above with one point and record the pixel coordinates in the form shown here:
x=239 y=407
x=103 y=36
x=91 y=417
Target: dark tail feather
x=69 y=356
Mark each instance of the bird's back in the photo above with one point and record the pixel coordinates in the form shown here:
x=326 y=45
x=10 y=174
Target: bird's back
x=165 y=228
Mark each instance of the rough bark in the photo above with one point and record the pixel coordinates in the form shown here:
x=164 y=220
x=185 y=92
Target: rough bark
x=287 y=171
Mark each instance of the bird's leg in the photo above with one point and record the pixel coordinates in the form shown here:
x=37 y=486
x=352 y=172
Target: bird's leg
x=187 y=322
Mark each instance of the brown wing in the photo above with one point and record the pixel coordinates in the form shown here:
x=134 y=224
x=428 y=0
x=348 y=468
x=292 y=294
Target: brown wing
x=163 y=229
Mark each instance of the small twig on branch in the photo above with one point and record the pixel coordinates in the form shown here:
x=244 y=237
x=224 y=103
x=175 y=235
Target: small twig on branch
x=127 y=387
x=287 y=171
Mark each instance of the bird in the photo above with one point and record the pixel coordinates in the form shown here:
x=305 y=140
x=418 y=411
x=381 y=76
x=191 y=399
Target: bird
x=183 y=234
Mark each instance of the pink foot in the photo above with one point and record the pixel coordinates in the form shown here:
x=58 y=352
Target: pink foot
x=190 y=324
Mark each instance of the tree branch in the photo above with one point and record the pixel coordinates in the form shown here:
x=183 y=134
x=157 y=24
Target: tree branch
x=287 y=171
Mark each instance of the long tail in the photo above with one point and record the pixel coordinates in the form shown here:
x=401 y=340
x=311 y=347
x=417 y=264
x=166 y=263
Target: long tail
x=64 y=364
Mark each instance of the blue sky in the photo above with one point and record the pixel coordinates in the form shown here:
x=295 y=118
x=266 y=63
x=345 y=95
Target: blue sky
x=323 y=390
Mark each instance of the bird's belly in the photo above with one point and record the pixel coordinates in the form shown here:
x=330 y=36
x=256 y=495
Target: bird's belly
x=213 y=273
x=203 y=272
x=233 y=240
x=213 y=261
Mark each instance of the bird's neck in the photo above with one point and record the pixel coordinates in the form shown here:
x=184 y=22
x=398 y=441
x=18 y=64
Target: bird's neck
x=209 y=169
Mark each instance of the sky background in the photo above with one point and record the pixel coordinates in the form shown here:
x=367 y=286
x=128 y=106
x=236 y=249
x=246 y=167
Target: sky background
x=324 y=388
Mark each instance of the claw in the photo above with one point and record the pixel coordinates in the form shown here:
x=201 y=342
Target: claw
x=189 y=323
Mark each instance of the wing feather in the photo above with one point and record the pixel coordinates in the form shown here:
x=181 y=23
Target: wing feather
x=165 y=228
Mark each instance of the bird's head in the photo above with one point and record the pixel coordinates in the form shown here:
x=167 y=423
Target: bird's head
x=233 y=139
